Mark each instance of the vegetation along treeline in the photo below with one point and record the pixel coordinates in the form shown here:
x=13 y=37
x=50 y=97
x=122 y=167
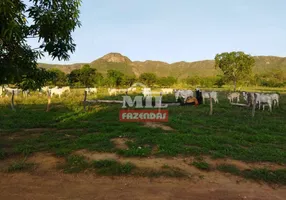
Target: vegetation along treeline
x=236 y=69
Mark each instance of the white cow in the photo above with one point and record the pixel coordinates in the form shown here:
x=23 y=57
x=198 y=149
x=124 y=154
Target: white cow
x=1 y=90
x=112 y=91
x=232 y=96
x=146 y=92
x=261 y=99
x=91 y=90
x=10 y=90
x=131 y=89
x=275 y=99
x=66 y=89
x=183 y=93
x=206 y=95
x=56 y=91
x=25 y=93
x=264 y=99
x=167 y=90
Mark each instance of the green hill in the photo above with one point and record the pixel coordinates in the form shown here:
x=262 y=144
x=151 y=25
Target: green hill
x=179 y=70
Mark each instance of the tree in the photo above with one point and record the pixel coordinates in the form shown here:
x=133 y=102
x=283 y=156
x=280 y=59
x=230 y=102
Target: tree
x=219 y=81
x=58 y=77
x=87 y=76
x=73 y=77
x=114 y=77
x=194 y=80
x=148 y=78
x=99 y=80
x=52 y=22
x=235 y=66
x=167 y=81
x=128 y=80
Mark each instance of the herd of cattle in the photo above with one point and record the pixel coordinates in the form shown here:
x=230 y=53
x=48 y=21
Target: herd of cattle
x=261 y=99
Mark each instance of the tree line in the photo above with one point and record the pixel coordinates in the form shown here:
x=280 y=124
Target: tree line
x=90 y=77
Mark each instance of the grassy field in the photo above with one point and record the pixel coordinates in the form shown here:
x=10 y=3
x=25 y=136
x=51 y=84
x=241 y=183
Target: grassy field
x=230 y=135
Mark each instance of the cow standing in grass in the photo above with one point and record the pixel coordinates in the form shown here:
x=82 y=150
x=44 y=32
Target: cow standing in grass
x=275 y=99
x=147 y=92
x=184 y=94
x=207 y=95
x=91 y=90
x=10 y=90
x=233 y=96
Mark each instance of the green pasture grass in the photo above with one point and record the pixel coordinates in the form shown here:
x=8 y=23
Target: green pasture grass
x=21 y=165
x=269 y=176
x=112 y=167
x=75 y=164
x=230 y=132
x=228 y=168
x=202 y=165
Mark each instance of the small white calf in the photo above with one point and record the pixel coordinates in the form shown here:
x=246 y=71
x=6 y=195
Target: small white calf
x=233 y=96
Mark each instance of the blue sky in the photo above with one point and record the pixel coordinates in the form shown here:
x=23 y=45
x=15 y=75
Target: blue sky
x=178 y=30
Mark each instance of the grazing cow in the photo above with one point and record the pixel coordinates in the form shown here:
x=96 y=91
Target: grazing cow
x=167 y=90
x=232 y=96
x=147 y=92
x=91 y=90
x=56 y=91
x=184 y=94
x=206 y=95
x=264 y=99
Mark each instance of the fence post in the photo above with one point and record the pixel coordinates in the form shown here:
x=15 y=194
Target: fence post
x=160 y=102
x=49 y=101
x=12 y=101
x=254 y=105
x=211 y=104
x=84 y=100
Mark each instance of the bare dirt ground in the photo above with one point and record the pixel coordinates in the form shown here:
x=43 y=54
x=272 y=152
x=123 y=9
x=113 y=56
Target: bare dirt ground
x=54 y=185
x=48 y=183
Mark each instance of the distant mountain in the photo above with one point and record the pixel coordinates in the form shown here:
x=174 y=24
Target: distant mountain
x=204 y=68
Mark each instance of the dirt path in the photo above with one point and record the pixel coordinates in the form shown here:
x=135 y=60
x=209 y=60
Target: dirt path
x=54 y=185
